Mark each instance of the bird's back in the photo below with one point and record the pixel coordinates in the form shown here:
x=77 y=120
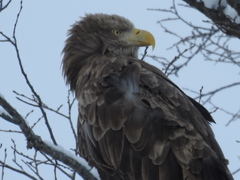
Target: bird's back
x=136 y=124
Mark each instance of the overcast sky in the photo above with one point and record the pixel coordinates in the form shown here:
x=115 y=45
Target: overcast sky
x=41 y=33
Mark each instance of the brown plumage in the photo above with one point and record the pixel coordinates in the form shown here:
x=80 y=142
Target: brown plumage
x=134 y=123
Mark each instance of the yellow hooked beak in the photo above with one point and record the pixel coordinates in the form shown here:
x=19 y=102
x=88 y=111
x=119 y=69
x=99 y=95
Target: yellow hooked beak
x=141 y=38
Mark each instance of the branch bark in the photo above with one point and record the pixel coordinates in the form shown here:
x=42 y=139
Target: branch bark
x=218 y=17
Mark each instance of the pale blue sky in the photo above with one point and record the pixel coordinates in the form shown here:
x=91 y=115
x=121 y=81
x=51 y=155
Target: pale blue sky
x=41 y=34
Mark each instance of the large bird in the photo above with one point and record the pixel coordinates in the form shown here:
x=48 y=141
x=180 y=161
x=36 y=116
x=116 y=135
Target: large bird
x=134 y=123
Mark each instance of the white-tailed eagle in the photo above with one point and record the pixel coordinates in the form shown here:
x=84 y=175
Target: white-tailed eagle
x=134 y=123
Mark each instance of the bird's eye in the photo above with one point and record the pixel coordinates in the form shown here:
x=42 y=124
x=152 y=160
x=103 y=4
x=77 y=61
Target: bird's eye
x=116 y=32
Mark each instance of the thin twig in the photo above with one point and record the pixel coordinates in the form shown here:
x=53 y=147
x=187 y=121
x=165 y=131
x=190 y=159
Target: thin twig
x=70 y=104
x=55 y=169
x=176 y=58
x=4 y=7
x=29 y=114
x=7 y=39
x=200 y=94
x=18 y=171
x=58 y=166
x=211 y=93
x=4 y=162
x=35 y=162
x=236 y=171
x=145 y=53
x=39 y=119
x=10 y=131
x=32 y=169
x=34 y=100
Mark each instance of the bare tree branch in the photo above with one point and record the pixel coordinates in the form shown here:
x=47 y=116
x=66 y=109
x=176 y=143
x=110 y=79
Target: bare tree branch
x=3 y=164
x=10 y=131
x=236 y=171
x=70 y=105
x=224 y=23
x=34 y=102
x=145 y=53
x=14 y=43
x=4 y=7
x=213 y=92
x=17 y=170
x=34 y=141
x=175 y=59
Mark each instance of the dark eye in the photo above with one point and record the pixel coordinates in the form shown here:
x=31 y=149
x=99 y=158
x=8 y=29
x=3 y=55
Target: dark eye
x=116 y=32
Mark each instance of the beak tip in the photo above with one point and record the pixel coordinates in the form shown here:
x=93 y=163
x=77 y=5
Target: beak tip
x=153 y=46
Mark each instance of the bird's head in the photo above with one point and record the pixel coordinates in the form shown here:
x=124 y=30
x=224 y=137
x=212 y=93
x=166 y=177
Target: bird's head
x=117 y=34
x=101 y=34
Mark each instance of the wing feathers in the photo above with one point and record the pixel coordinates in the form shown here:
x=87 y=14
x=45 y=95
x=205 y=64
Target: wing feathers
x=146 y=128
